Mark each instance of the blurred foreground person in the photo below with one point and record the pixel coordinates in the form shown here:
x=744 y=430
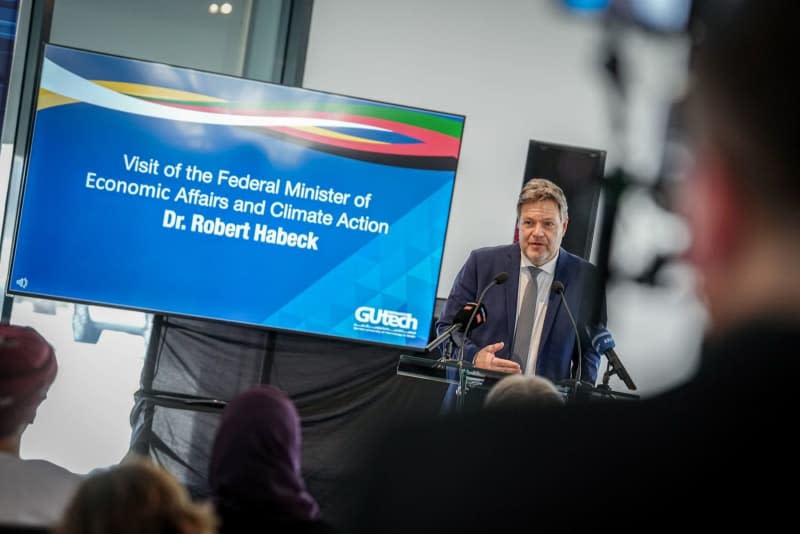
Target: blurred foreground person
x=520 y=391
x=137 y=497
x=714 y=453
x=255 y=473
x=32 y=492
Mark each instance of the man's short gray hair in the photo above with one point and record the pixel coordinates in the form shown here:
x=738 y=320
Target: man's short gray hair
x=523 y=390
x=538 y=189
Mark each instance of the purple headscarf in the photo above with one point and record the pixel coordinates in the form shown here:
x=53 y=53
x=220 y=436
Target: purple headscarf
x=255 y=461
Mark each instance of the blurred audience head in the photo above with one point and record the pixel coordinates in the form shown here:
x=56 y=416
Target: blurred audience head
x=27 y=369
x=255 y=460
x=523 y=391
x=743 y=196
x=133 y=498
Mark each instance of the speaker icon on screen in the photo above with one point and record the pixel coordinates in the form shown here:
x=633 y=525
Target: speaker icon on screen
x=22 y=282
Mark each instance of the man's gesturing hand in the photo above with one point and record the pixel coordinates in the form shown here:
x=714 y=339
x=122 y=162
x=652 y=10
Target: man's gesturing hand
x=485 y=359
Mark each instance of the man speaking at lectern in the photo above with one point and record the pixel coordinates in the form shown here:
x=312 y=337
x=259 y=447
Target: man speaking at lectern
x=528 y=328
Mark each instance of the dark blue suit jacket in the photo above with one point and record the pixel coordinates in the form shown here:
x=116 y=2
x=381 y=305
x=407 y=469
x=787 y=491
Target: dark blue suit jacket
x=558 y=351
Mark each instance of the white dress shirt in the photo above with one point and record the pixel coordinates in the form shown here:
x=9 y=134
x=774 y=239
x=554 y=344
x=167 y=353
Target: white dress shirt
x=544 y=279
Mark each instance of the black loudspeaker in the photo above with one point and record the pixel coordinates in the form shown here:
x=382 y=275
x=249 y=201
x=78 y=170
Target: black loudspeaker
x=579 y=172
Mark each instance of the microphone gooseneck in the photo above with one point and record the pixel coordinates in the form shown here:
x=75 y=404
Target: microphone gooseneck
x=500 y=279
x=558 y=287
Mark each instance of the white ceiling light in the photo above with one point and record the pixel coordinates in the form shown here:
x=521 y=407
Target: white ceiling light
x=226 y=8
x=213 y=9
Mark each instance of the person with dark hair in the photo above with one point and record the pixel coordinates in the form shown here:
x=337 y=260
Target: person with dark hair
x=254 y=473
x=718 y=452
x=32 y=492
x=137 y=497
x=528 y=328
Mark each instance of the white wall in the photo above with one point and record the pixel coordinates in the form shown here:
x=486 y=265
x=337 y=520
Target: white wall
x=521 y=70
x=507 y=66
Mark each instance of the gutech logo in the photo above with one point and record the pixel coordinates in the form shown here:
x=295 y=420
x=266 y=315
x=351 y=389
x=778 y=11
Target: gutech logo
x=383 y=321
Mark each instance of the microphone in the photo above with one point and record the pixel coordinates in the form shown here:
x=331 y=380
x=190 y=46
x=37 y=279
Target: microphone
x=498 y=280
x=460 y=320
x=558 y=287
x=472 y=311
x=603 y=343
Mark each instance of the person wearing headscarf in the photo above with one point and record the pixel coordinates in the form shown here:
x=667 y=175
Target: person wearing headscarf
x=32 y=492
x=255 y=473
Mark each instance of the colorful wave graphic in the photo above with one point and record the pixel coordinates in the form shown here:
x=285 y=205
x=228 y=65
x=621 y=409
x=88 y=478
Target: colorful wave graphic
x=363 y=131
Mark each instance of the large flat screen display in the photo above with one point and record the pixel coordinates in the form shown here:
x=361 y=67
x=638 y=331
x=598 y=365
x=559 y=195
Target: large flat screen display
x=176 y=191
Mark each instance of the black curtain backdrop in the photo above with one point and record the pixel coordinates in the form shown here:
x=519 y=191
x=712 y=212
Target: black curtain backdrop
x=345 y=394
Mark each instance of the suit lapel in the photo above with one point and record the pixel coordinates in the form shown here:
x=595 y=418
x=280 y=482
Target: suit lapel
x=563 y=273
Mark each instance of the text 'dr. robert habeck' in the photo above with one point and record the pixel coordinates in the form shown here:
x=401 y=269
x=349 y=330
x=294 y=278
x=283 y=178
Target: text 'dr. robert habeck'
x=257 y=232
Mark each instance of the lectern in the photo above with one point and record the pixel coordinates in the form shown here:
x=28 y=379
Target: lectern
x=464 y=375
x=468 y=378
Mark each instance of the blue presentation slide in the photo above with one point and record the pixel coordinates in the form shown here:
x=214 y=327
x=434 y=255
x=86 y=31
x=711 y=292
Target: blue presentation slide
x=184 y=192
